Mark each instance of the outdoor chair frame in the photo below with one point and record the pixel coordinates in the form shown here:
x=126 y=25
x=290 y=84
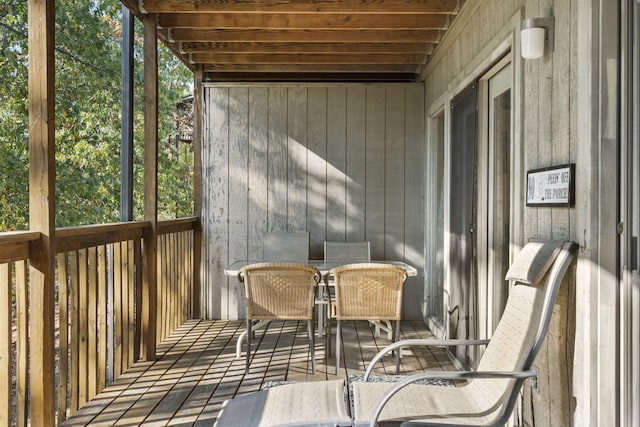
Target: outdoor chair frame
x=280 y=291
x=366 y=291
x=509 y=380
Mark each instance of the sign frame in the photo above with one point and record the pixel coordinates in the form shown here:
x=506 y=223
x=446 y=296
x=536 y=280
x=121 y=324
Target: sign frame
x=551 y=186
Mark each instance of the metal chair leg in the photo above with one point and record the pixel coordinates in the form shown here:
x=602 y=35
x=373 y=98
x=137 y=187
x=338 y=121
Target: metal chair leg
x=327 y=338
x=249 y=334
x=338 y=345
x=399 y=350
x=312 y=345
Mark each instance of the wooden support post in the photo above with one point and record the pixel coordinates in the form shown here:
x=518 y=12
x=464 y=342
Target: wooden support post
x=197 y=192
x=150 y=278
x=41 y=20
x=126 y=153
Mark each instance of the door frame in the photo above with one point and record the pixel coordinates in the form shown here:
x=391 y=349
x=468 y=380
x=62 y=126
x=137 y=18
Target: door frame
x=486 y=201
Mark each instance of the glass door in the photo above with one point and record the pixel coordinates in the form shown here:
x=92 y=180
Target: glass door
x=461 y=230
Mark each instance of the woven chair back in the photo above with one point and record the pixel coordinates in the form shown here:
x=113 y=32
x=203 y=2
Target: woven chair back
x=279 y=290
x=368 y=291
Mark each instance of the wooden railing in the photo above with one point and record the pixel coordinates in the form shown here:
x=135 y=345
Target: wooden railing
x=98 y=307
x=176 y=245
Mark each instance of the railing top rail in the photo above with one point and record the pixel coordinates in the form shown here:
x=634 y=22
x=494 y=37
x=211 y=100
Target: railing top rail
x=87 y=236
x=177 y=225
x=14 y=244
x=18 y=236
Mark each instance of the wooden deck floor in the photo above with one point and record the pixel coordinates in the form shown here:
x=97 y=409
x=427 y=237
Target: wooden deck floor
x=197 y=371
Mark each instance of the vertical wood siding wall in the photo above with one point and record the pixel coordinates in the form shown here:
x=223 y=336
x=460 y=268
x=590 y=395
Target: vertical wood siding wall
x=342 y=162
x=545 y=135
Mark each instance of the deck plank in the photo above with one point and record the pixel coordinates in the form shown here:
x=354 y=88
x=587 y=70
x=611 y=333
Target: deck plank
x=196 y=370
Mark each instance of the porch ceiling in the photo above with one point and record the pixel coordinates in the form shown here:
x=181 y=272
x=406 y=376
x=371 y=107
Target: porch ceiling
x=297 y=40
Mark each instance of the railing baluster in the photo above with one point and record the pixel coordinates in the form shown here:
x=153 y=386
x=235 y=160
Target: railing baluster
x=22 y=344
x=117 y=309
x=138 y=306
x=102 y=317
x=92 y=308
x=124 y=313
x=6 y=338
x=75 y=331
x=83 y=323
x=131 y=325
x=63 y=303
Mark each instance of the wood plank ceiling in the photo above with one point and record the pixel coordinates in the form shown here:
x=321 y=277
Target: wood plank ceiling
x=296 y=40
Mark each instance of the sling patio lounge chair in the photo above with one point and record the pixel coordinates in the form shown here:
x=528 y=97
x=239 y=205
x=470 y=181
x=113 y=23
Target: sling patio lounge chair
x=487 y=398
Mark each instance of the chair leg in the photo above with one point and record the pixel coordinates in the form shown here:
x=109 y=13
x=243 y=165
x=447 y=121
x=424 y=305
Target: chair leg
x=312 y=346
x=327 y=353
x=396 y=337
x=338 y=345
x=249 y=333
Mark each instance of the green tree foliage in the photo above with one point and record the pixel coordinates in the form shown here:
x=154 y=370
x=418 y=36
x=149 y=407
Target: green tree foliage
x=88 y=116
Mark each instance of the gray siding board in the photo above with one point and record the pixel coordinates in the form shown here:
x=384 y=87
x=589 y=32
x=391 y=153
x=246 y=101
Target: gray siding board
x=355 y=163
x=297 y=153
x=413 y=202
x=375 y=170
x=238 y=186
x=217 y=220
x=336 y=163
x=394 y=173
x=531 y=130
x=309 y=158
x=277 y=160
x=317 y=190
x=257 y=184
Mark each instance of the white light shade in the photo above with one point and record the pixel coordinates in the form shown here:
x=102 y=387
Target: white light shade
x=532 y=43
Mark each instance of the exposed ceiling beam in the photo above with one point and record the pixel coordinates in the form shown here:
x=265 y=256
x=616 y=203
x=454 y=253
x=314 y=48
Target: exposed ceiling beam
x=314 y=68
x=288 y=6
x=303 y=21
x=304 y=47
x=321 y=58
x=265 y=35
x=273 y=40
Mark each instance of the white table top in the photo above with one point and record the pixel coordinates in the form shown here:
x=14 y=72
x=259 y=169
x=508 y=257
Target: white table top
x=323 y=266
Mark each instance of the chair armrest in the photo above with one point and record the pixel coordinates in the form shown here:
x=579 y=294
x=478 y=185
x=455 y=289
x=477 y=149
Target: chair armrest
x=416 y=343
x=451 y=375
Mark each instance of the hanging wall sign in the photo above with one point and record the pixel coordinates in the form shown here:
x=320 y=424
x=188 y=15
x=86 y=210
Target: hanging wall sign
x=553 y=186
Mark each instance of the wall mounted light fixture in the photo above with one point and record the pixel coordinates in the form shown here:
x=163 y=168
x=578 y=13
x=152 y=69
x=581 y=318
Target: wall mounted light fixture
x=536 y=37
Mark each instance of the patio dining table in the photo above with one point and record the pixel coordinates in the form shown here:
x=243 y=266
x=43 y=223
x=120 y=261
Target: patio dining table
x=324 y=267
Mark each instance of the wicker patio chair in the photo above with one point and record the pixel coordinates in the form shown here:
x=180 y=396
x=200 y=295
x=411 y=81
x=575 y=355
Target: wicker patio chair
x=279 y=291
x=366 y=291
x=344 y=253
x=490 y=395
x=279 y=247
